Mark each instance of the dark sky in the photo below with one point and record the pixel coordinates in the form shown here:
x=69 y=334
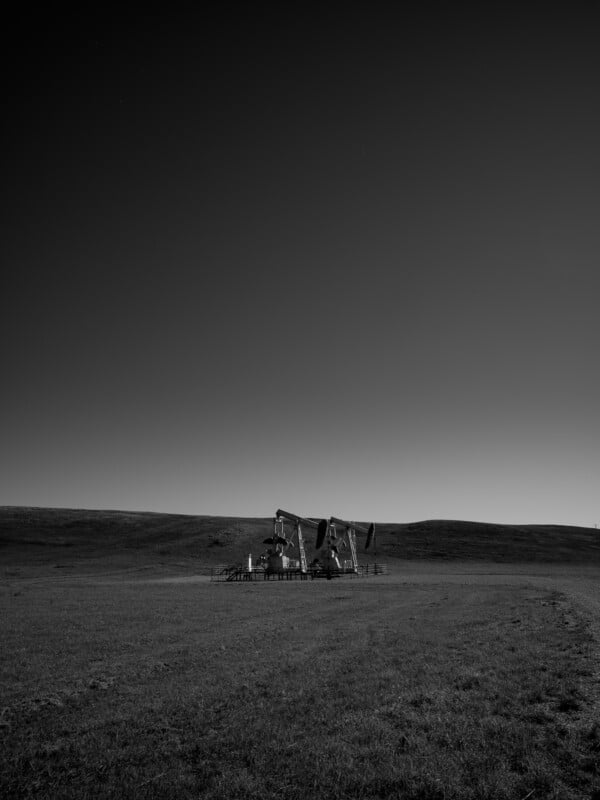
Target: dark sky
x=339 y=264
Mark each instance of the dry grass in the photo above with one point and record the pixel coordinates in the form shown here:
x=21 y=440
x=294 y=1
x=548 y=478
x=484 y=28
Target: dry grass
x=358 y=689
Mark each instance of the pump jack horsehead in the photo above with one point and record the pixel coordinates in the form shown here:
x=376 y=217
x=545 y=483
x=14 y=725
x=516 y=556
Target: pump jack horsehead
x=329 y=545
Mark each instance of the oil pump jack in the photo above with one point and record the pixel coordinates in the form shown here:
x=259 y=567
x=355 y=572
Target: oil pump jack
x=329 y=545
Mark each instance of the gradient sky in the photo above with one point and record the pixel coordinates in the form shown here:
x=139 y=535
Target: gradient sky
x=340 y=265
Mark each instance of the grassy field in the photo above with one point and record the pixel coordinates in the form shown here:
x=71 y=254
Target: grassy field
x=470 y=671
x=369 y=688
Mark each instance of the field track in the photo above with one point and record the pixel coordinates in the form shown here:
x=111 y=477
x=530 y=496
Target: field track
x=580 y=584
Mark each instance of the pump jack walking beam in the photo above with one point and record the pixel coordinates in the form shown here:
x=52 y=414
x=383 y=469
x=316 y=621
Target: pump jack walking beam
x=295 y=519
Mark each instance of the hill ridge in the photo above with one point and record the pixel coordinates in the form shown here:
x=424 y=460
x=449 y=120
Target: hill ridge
x=40 y=533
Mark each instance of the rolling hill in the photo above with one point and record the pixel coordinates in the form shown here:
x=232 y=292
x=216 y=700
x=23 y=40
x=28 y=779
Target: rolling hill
x=61 y=538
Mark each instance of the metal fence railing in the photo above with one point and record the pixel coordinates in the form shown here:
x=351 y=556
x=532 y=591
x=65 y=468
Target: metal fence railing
x=235 y=573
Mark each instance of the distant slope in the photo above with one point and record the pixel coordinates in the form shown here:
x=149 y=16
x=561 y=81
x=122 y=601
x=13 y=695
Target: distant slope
x=453 y=539
x=46 y=536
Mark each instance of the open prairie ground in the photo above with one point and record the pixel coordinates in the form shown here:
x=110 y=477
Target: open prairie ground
x=439 y=680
